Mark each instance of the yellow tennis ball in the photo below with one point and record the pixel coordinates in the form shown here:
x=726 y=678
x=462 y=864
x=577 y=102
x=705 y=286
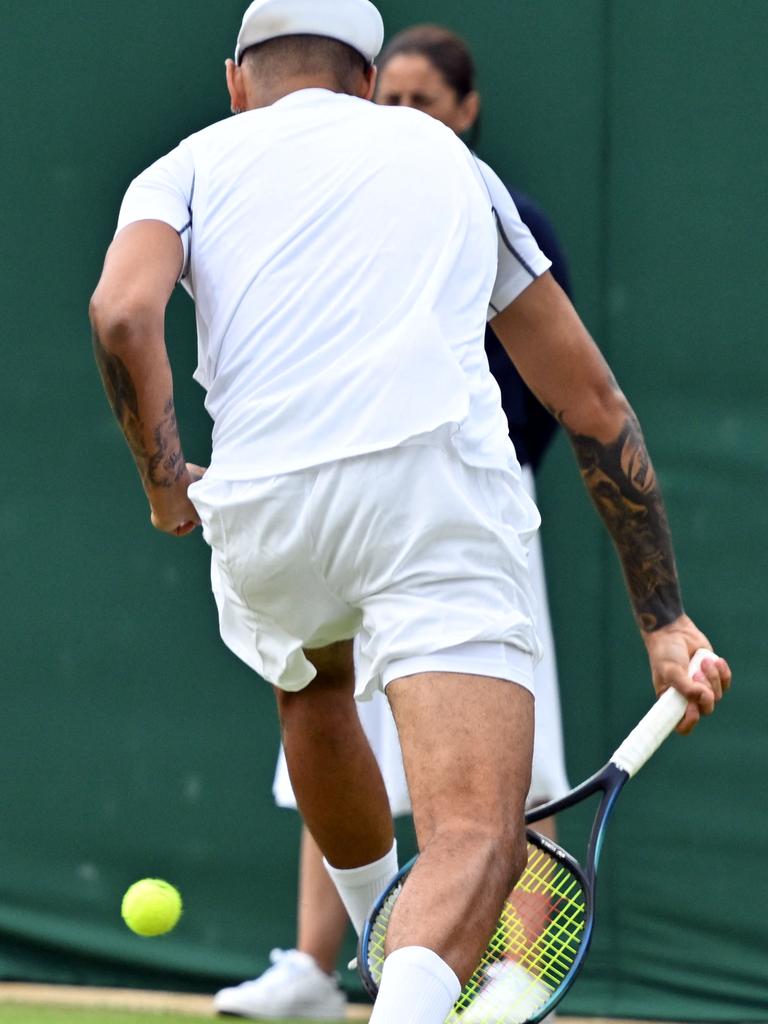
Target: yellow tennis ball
x=151 y=907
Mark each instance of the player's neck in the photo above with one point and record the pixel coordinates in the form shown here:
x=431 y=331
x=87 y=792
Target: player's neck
x=265 y=95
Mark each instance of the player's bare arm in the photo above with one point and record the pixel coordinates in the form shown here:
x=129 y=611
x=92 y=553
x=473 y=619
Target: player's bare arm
x=127 y=316
x=559 y=361
x=622 y=483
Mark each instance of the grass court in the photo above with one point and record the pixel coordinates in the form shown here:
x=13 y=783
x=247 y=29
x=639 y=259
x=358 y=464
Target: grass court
x=62 y=1004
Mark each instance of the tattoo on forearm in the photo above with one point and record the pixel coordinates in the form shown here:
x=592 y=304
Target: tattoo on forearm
x=166 y=464
x=622 y=483
x=161 y=463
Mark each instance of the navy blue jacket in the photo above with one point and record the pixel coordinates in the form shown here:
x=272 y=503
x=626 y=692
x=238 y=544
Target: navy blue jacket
x=530 y=425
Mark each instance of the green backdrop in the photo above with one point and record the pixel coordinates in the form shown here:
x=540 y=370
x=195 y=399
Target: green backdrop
x=134 y=744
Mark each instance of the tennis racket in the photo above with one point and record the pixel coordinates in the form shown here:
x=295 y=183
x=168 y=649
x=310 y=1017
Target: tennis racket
x=545 y=928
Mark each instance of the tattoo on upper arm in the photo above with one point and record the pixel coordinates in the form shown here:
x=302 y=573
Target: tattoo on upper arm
x=622 y=483
x=161 y=463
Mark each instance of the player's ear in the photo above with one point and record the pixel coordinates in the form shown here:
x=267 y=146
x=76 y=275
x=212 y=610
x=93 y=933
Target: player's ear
x=370 y=77
x=468 y=113
x=235 y=87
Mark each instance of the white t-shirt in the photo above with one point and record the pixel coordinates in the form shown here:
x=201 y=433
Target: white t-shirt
x=343 y=258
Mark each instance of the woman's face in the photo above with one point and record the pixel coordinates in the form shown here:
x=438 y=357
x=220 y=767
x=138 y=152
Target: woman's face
x=412 y=80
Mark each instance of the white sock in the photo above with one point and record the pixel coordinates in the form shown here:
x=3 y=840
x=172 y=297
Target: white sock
x=417 y=987
x=359 y=888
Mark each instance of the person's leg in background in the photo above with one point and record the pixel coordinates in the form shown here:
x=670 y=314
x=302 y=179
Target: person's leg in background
x=344 y=803
x=303 y=979
x=300 y=981
x=322 y=921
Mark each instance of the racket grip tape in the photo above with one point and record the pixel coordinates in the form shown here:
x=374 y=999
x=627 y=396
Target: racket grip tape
x=651 y=731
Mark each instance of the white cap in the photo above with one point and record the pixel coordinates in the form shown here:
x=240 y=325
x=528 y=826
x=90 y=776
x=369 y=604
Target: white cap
x=354 y=22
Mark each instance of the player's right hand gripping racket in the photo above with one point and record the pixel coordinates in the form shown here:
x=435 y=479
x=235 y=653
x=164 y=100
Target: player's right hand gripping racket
x=545 y=928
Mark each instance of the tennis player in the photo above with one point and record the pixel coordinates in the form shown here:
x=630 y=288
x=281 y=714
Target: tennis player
x=343 y=258
x=432 y=69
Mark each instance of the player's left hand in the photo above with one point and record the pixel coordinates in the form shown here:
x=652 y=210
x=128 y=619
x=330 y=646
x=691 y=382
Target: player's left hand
x=171 y=511
x=670 y=650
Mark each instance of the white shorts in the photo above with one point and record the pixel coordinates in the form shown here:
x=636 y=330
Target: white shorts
x=409 y=549
x=549 y=779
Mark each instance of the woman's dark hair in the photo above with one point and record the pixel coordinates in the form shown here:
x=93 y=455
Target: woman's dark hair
x=444 y=49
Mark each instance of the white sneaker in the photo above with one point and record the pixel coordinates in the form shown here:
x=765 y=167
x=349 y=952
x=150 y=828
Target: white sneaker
x=509 y=996
x=294 y=986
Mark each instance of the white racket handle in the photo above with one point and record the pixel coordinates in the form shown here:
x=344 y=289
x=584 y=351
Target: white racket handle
x=651 y=731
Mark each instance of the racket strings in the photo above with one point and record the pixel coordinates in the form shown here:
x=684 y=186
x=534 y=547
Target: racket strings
x=378 y=933
x=533 y=948
x=530 y=954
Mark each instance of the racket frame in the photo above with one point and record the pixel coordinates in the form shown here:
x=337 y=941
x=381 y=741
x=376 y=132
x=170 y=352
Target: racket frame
x=554 y=851
x=608 y=781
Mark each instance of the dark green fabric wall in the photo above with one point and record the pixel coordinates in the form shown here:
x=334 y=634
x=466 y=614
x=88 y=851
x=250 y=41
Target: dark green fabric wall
x=133 y=744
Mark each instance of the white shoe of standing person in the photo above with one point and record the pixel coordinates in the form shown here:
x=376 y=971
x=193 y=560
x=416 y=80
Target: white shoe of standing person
x=294 y=986
x=509 y=995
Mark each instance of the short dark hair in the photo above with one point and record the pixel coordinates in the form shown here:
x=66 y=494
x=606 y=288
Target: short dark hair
x=445 y=50
x=306 y=54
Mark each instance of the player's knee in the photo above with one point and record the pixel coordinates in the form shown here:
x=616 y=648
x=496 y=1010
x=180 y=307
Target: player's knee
x=510 y=851
x=517 y=857
x=488 y=846
x=288 y=704
x=331 y=715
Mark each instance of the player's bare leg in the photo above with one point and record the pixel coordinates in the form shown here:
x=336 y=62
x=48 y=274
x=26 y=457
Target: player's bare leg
x=337 y=782
x=467 y=746
x=338 y=786
x=322 y=919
